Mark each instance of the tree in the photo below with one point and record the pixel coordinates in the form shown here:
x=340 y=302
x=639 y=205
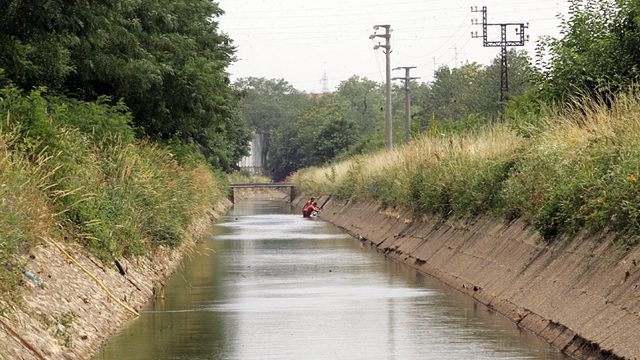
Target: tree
x=454 y=97
x=333 y=132
x=266 y=103
x=269 y=106
x=364 y=107
x=165 y=59
x=520 y=74
x=34 y=42
x=469 y=96
x=598 y=53
x=313 y=138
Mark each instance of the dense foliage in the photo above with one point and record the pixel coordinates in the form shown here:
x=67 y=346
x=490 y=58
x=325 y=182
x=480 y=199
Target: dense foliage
x=309 y=129
x=164 y=59
x=113 y=113
x=598 y=54
x=470 y=95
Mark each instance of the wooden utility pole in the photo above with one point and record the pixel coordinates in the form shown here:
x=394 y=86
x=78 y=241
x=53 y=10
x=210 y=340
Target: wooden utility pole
x=387 y=51
x=407 y=100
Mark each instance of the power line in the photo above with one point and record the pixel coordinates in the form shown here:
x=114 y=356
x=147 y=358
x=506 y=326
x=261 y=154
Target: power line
x=279 y=33
x=357 y=10
x=502 y=44
x=448 y=39
x=308 y=18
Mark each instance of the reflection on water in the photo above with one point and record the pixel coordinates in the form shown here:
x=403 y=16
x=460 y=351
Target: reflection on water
x=283 y=287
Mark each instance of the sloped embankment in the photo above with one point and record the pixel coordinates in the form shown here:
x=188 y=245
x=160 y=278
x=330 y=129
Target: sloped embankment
x=583 y=296
x=69 y=316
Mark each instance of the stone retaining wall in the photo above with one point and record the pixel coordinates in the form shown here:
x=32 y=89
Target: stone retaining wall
x=582 y=296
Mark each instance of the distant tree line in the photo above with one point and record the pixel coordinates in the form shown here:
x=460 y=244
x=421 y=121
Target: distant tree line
x=596 y=56
x=164 y=62
x=164 y=59
x=305 y=130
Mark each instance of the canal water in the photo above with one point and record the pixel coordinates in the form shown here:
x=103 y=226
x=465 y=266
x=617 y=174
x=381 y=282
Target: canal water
x=269 y=284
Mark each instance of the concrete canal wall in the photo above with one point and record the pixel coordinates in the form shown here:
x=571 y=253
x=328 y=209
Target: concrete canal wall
x=67 y=314
x=581 y=296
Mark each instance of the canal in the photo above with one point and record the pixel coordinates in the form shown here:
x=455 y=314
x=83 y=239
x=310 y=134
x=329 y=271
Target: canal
x=269 y=284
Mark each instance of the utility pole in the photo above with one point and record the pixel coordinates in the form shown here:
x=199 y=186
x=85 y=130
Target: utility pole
x=455 y=62
x=434 y=67
x=502 y=44
x=325 y=83
x=407 y=100
x=387 y=50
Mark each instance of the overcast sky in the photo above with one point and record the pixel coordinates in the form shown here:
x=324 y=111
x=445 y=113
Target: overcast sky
x=302 y=40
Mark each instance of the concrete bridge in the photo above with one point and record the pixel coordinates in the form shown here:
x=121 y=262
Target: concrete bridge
x=281 y=186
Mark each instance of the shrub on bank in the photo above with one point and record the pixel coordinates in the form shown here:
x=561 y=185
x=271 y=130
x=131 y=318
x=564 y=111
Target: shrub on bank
x=75 y=168
x=577 y=170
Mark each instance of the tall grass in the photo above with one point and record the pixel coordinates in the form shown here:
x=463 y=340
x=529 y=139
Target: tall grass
x=75 y=169
x=576 y=169
x=446 y=175
x=25 y=211
x=583 y=171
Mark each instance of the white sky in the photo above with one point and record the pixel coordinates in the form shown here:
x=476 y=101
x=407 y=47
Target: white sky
x=301 y=40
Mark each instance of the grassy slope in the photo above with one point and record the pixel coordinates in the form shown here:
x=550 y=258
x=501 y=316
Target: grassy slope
x=575 y=170
x=70 y=169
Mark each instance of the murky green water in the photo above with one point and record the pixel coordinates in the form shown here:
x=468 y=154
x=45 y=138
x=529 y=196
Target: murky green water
x=269 y=284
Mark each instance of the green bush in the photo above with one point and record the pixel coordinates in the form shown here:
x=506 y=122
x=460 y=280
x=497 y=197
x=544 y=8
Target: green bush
x=478 y=190
x=386 y=187
x=429 y=194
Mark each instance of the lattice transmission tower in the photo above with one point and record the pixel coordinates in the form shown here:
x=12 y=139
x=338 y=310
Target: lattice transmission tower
x=502 y=44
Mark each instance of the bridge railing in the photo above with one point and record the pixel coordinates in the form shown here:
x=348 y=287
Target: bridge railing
x=291 y=186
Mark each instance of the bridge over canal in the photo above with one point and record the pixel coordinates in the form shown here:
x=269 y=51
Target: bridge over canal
x=283 y=187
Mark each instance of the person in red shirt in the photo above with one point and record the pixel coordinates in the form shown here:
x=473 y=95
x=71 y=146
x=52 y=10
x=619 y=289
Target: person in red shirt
x=306 y=206
x=310 y=208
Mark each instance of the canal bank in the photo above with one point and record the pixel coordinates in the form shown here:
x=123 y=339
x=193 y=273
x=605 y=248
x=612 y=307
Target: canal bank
x=73 y=302
x=583 y=296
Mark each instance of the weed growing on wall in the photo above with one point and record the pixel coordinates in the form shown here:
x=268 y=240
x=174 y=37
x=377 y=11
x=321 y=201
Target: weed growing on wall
x=582 y=171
